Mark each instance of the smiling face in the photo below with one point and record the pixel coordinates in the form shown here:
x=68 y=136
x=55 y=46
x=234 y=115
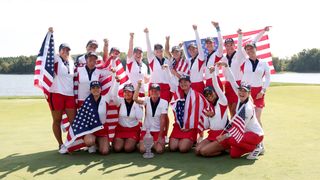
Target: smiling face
x=158 y=53
x=211 y=97
x=92 y=48
x=127 y=95
x=184 y=84
x=64 y=53
x=210 y=46
x=251 y=51
x=243 y=94
x=115 y=53
x=154 y=93
x=96 y=90
x=176 y=54
x=91 y=62
x=193 y=51
x=230 y=47
x=137 y=55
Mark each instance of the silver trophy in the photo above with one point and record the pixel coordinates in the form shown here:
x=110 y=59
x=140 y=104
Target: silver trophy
x=148 y=143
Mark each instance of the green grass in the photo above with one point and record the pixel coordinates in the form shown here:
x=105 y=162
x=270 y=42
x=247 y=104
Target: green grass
x=291 y=124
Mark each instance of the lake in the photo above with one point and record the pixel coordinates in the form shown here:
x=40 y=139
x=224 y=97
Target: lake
x=22 y=85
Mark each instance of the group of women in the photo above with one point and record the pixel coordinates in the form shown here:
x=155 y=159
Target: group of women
x=190 y=85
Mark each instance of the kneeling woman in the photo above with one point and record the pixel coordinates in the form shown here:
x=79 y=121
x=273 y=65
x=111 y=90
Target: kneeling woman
x=155 y=116
x=98 y=138
x=130 y=115
x=245 y=132
x=217 y=119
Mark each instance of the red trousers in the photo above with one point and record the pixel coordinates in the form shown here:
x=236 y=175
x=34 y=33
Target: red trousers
x=247 y=144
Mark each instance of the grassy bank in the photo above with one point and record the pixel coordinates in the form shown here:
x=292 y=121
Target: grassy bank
x=290 y=120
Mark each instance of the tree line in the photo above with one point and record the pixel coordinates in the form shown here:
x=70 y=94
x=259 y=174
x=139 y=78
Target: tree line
x=308 y=60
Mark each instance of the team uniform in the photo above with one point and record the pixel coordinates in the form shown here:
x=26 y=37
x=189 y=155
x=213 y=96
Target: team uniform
x=158 y=74
x=136 y=71
x=188 y=115
x=196 y=66
x=153 y=111
x=212 y=58
x=130 y=116
x=218 y=122
x=84 y=77
x=254 y=72
x=61 y=91
x=181 y=66
x=253 y=132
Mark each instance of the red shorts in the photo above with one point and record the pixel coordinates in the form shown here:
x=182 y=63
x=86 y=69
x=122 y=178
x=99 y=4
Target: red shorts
x=165 y=92
x=209 y=83
x=230 y=94
x=59 y=102
x=155 y=135
x=178 y=134
x=247 y=144
x=213 y=134
x=257 y=102
x=198 y=86
x=102 y=132
x=126 y=132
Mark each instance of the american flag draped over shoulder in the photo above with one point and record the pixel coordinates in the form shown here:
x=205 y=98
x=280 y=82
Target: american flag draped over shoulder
x=189 y=111
x=44 y=66
x=238 y=124
x=86 y=122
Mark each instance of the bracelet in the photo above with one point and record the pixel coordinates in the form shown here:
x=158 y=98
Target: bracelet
x=218 y=28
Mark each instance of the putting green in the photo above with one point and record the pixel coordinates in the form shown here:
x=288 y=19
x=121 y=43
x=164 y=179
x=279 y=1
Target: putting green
x=291 y=122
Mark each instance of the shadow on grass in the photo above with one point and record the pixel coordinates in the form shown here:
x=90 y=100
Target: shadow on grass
x=178 y=165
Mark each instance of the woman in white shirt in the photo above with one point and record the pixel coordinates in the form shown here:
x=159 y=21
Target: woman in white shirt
x=156 y=111
x=127 y=132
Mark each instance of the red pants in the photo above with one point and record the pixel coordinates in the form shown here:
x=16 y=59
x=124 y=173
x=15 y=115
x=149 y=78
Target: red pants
x=198 y=86
x=230 y=94
x=165 y=92
x=247 y=144
x=257 y=102
x=59 y=102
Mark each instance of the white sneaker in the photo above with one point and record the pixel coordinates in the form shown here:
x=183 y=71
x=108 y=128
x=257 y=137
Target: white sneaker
x=263 y=149
x=255 y=153
x=92 y=149
x=63 y=149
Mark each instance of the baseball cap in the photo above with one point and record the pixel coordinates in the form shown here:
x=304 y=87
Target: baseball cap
x=92 y=41
x=114 y=49
x=192 y=45
x=208 y=90
x=250 y=45
x=128 y=87
x=185 y=77
x=136 y=49
x=91 y=54
x=155 y=86
x=175 y=48
x=228 y=40
x=245 y=87
x=158 y=47
x=95 y=84
x=209 y=39
x=64 y=45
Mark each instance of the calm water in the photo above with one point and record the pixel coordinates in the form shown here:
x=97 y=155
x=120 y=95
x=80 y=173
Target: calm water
x=22 y=85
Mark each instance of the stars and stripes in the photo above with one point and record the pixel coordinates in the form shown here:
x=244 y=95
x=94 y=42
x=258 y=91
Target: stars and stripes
x=44 y=66
x=238 y=124
x=193 y=113
x=86 y=122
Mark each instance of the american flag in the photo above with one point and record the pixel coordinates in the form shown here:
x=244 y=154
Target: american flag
x=193 y=114
x=86 y=122
x=237 y=124
x=44 y=66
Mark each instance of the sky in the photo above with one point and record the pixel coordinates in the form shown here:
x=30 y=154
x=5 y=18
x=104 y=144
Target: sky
x=25 y=23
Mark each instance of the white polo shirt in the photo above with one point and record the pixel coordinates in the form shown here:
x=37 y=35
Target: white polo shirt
x=255 y=78
x=135 y=115
x=153 y=120
x=63 y=79
x=136 y=71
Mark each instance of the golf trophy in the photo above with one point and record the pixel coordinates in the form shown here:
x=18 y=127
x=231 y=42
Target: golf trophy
x=148 y=143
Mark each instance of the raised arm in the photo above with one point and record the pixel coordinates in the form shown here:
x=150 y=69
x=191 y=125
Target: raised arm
x=222 y=98
x=105 y=49
x=259 y=36
x=220 y=40
x=114 y=91
x=136 y=97
x=200 y=50
x=167 y=48
x=149 y=50
x=229 y=76
x=130 y=50
x=241 y=53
